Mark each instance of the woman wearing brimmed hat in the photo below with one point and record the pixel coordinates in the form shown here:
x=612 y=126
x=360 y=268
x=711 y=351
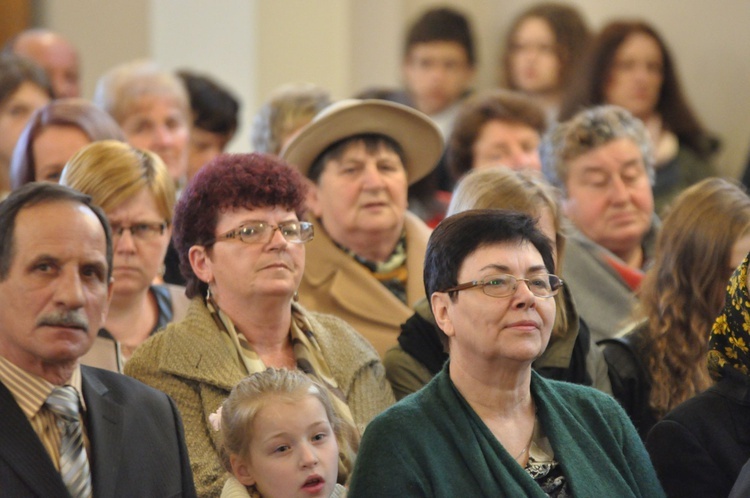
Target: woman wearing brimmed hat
x=365 y=263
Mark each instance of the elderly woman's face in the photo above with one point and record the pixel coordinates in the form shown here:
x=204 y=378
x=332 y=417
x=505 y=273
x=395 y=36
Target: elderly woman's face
x=609 y=196
x=139 y=250
x=157 y=123
x=361 y=193
x=237 y=271
x=516 y=327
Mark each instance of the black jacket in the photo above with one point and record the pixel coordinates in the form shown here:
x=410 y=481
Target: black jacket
x=699 y=448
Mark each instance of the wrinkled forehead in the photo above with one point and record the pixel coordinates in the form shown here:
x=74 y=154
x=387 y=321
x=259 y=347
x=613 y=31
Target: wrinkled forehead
x=59 y=224
x=71 y=224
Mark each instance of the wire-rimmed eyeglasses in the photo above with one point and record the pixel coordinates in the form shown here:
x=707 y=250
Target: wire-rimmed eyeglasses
x=541 y=285
x=260 y=232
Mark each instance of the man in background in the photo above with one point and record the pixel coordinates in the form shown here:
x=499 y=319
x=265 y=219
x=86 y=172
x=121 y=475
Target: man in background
x=55 y=54
x=439 y=64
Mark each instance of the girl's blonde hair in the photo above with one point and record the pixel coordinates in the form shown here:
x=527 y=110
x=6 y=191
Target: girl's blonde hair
x=254 y=392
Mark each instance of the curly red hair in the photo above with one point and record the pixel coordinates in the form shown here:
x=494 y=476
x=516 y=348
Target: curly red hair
x=230 y=181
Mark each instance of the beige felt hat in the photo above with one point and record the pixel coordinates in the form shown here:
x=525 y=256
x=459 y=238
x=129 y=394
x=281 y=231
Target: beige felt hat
x=419 y=137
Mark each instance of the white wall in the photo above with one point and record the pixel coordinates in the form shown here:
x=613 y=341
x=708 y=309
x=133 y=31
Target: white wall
x=346 y=45
x=216 y=38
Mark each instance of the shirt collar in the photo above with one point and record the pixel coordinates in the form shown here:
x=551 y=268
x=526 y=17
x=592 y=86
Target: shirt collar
x=31 y=391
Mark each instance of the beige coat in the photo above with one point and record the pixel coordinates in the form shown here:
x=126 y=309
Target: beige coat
x=192 y=364
x=337 y=284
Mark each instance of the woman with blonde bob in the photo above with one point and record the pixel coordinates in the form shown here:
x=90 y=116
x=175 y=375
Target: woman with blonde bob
x=291 y=413
x=135 y=190
x=662 y=361
x=570 y=356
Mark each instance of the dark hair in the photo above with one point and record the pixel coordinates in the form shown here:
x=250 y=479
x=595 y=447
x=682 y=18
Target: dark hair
x=371 y=141
x=458 y=236
x=33 y=194
x=77 y=113
x=477 y=111
x=15 y=71
x=672 y=105
x=571 y=32
x=442 y=24
x=226 y=182
x=214 y=107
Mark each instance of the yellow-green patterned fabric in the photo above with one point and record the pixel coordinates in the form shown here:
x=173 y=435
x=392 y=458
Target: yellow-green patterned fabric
x=728 y=353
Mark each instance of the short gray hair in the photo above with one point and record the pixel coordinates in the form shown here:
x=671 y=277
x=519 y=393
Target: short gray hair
x=290 y=107
x=118 y=90
x=589 y=130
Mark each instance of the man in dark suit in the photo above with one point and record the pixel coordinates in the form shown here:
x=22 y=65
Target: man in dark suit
x=55 y=284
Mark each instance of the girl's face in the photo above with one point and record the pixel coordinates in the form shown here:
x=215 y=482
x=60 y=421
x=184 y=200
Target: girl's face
x=636 y=76
x=293 y=451
x=534 y=63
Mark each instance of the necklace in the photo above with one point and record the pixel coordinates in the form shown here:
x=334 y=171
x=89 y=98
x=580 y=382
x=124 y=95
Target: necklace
x=528 y=445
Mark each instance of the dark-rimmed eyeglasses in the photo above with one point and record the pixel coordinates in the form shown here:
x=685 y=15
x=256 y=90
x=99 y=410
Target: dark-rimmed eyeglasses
x=542 y=285
x=260 y=232
x=141 y=231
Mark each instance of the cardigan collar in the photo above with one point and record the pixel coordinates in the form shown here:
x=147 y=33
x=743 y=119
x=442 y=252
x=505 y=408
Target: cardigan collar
x=198 y=352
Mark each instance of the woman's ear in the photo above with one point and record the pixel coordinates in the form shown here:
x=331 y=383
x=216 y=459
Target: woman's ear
x=241 y=471
x=201 y=263
x=441 y=302
x=313 y=198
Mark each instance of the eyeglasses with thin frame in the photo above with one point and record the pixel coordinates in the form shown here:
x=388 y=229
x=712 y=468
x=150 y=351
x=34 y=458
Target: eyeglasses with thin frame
x=140 y=231
x=542 y=285
x=260 y=232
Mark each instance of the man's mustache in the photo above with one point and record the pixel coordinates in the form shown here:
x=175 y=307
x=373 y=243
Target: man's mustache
x=68 y=319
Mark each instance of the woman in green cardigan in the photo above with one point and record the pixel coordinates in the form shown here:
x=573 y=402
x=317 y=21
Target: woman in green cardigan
x=487 y=425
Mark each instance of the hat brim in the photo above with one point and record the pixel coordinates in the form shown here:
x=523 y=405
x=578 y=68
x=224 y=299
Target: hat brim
x=417 y=135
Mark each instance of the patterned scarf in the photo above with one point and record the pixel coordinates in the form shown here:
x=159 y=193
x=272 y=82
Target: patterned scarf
x=728 y=353
x=392 y=273
x=310 y=360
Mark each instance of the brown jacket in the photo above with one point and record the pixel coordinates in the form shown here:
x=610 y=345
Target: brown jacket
x=337 y=284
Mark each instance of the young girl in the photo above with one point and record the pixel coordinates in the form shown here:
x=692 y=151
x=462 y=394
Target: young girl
x=279 y=435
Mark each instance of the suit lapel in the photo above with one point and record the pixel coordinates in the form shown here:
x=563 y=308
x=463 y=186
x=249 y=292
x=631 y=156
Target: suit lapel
x=105 y=432
x=22 y=451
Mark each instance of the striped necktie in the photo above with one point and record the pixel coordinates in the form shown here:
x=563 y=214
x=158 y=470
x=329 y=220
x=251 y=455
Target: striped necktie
x=74 y=464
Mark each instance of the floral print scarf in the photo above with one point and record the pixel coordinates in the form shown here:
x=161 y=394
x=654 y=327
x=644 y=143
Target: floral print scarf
x=728 y=353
